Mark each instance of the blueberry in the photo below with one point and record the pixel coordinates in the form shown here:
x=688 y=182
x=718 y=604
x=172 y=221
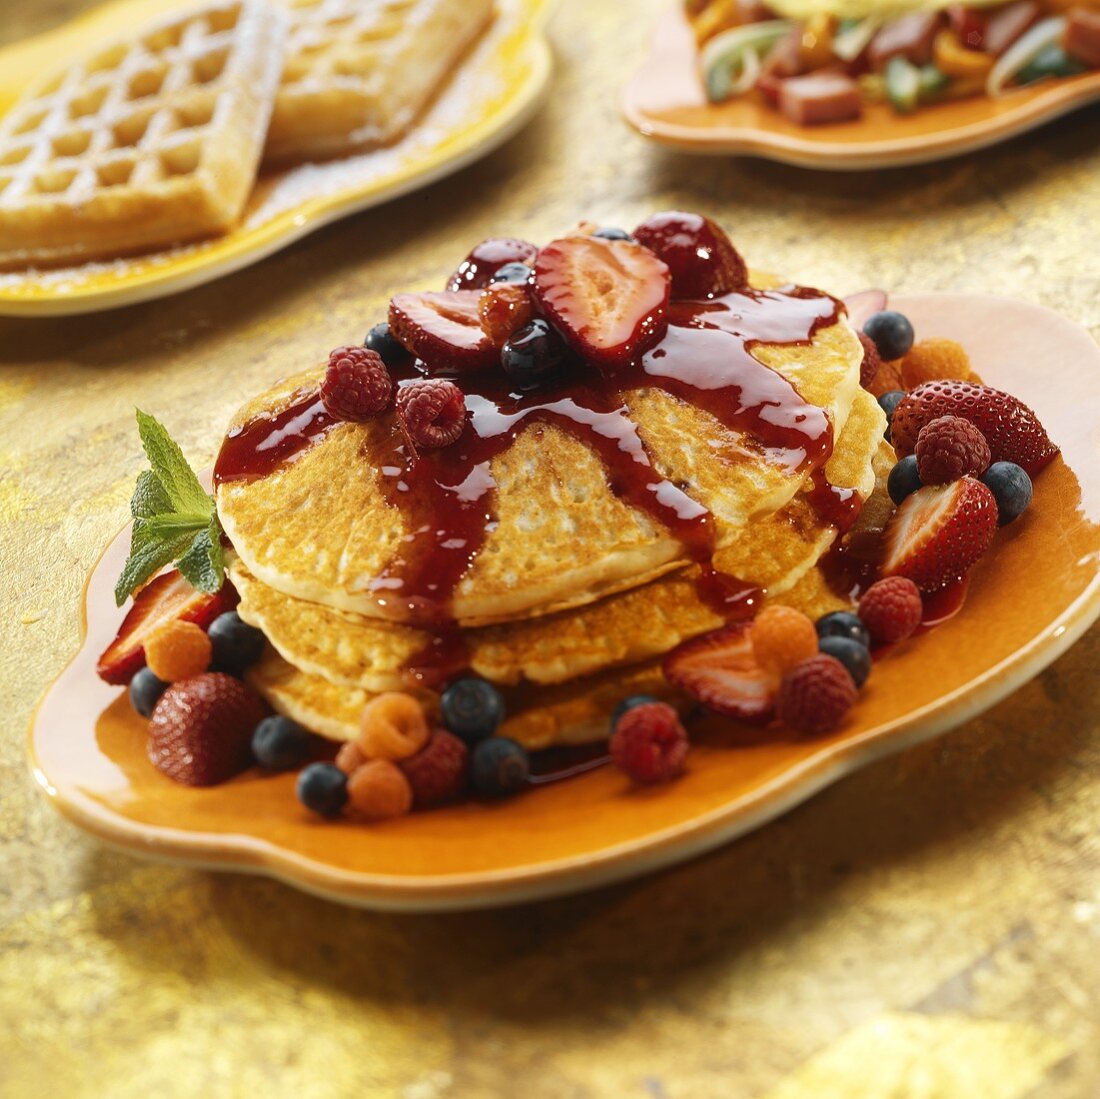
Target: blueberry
x=145 y=691
x=236 y=644
x=1011 y=488
x=843 y=624
x=280 y=744
x=892 y=333
x=854 y=656
x=513 y=272
x=531 y=354
x=629 y=703
x=499 y=767
x=472 y=709
x=612 y=233
x=904 y=479
x=889 y=402
x=323 y=788
x=381 y=339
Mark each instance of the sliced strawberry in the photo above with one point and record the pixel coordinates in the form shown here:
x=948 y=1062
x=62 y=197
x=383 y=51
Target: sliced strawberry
x=607 y=297
x=444 y=329
x=476 y=271
x=720 y=670
x=167 y=598
x=939 y=533
x=1012 y=430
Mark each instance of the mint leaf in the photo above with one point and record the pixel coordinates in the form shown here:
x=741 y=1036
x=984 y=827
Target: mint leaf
x=174 y=519
x=176 y=477
x=148 y=555
x=203 y=565
x=149 y=497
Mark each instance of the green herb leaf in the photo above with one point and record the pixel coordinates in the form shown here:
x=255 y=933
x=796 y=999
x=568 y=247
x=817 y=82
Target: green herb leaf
x=149 y=497
x=203 y=565
x=148 y=556
x=174 y=519
x=170 y=467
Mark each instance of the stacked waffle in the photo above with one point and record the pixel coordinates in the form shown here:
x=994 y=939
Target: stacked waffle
x=157 y=138
x=570 y=586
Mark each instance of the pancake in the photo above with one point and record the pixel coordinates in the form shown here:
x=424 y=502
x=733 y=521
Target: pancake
x=641 y=623
x=578 y=712
x=319 y=528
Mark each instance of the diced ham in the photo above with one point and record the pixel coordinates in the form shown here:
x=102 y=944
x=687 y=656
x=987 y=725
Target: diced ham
x=785 y=60
x=820 y=97
x=1005 y=25
x=1081 y=38
x=909 y=36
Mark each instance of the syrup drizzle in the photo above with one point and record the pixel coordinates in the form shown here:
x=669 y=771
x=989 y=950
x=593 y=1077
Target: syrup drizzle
x=446 y=497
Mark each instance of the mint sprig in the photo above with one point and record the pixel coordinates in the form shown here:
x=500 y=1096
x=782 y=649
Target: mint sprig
x=174 y=519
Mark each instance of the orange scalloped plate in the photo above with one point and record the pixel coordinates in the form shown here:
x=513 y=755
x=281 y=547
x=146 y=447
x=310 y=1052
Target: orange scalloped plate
x=495 y=90
x=665 y=101
x=1038 y=591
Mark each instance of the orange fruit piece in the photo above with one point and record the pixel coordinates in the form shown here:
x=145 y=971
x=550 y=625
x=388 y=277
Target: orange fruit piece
x=887 y=379
x=393 y=726
x=935 y=360
x=781 y=638
x=350 y=757
x=178 y=650
x=379 y=790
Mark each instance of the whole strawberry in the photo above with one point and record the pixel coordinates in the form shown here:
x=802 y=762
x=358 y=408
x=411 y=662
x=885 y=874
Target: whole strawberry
x=816 y=695
x=1011 y=429
x=649 y=743
x=200 y=733
x=948 y=448
x=432 y=412
x=357 y=385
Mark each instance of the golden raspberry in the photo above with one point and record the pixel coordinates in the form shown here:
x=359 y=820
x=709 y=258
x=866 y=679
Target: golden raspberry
x=178 y=650
x=350 y=757
x=935 y=360
x=379 y=790
x=393 y=726
x=781 y=638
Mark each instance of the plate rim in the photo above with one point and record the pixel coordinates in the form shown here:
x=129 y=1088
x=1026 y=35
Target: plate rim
x=522 y=101
x=1051 y=102
x=239 y=852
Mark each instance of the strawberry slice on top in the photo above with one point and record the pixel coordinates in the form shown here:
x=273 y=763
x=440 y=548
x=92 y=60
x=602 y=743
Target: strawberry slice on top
x=720 y=670
x=167 y=598
x=608 y=298
x=444 y=330
x=940 y=532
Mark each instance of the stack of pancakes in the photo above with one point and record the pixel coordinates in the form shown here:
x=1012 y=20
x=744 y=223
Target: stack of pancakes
x=575 y=596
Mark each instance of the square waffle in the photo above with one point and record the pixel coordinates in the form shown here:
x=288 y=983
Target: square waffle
x=358 y=72
x=151 y=141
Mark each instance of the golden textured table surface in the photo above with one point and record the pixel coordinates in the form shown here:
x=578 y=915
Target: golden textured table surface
x=927 y=928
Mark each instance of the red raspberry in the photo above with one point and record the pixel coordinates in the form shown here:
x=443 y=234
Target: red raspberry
x=438 y=771
x=200 y=732
x=649 y=743
x=357 y=385
x=891 y=609
x=950 y=447
x=432 y=412
x=815 y=696
x=872 y=360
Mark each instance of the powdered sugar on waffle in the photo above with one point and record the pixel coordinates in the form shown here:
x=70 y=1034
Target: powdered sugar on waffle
x=466 y=98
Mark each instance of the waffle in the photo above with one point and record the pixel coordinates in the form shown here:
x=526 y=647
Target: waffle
x=358 y=72
x=151 y=141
